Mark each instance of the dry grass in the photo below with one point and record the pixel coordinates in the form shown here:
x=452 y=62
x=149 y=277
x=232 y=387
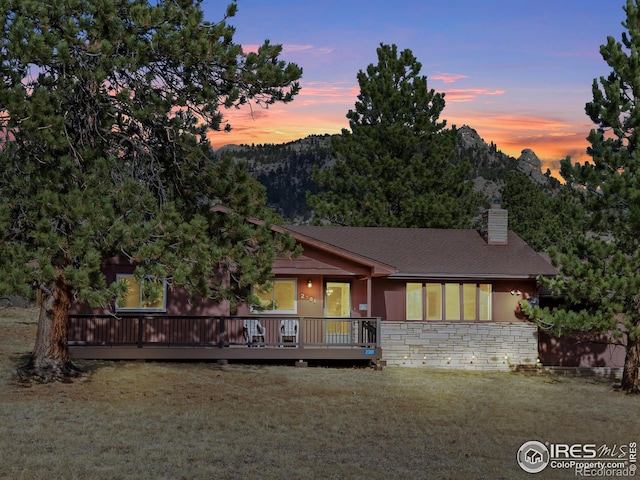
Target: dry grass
x=136 y=420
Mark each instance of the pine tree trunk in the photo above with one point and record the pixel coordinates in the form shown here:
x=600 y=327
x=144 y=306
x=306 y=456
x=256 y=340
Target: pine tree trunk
x=50 y=357
x=631 y=365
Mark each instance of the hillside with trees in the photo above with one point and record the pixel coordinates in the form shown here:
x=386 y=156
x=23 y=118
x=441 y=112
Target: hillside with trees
x=285 y=170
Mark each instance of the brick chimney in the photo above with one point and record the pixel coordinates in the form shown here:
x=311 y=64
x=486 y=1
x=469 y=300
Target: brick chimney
x=495 y=225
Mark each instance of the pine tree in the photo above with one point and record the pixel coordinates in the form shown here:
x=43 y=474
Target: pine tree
x=396 y=166
x=106 y=110
x=542 y=218
x=600 y=279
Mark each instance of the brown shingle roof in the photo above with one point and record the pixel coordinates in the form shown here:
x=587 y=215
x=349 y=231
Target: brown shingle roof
x=434 y=253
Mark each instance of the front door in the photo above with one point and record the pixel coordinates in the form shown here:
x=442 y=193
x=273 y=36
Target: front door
x=338 y=304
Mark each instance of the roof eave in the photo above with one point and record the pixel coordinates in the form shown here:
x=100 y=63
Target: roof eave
x=463 y=276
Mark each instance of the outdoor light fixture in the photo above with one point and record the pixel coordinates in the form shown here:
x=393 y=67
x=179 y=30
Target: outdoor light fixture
x=516 y=292
x=309 y=283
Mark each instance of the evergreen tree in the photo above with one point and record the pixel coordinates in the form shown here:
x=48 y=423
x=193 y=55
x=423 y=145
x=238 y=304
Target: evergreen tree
x=543 y=219
x=106 y=109
x=396 y=166
x=600 y=279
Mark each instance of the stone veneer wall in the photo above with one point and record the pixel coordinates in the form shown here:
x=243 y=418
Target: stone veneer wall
x=473 y=346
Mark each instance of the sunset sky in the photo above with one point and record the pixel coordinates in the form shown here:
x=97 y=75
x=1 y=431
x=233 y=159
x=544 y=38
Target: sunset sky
x=517 y=71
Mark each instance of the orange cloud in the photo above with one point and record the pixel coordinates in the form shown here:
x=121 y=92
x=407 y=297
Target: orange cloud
x=528 y=123
x=320 y=108
x=459 y=95
x=276 y=124
x=338 y=92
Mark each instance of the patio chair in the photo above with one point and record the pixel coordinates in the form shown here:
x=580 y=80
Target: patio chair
x=254 y=331
x=289 y=331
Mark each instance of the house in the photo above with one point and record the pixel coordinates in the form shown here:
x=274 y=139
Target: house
x=404 y=296
x=446 y=297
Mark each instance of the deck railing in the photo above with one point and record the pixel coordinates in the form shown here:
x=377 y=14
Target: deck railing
x=223 y=331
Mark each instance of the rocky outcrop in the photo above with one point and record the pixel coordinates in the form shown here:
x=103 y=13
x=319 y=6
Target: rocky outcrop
x=530 y=165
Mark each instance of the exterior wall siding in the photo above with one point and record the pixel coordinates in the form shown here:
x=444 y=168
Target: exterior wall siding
x=470 y=346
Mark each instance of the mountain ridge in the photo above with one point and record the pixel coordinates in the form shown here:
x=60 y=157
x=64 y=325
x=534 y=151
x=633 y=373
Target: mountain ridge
x=285 y=169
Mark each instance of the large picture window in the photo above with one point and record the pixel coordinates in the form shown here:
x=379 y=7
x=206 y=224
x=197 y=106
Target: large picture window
x=146 y=294
x=280 y=297
x=451 y=301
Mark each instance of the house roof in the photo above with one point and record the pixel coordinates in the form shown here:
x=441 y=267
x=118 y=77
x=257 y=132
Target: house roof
x=436 y=253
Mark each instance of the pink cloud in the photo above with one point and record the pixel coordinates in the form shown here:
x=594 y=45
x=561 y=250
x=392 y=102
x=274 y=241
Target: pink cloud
x=250 y=48
x=448 y=77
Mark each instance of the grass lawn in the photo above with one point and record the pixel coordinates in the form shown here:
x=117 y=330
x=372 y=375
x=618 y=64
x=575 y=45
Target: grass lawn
x=165 y=420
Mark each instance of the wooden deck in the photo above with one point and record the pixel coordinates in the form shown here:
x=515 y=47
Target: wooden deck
x=160 y=337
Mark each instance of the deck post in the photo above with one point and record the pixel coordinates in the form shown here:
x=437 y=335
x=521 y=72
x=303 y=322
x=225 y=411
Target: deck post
x=140 y=331
x=222 y=333
x=301 y=333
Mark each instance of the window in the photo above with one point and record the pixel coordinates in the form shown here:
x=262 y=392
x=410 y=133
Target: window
x=449 y=301
x=469 y=301
x=280 y=297
x=147 y=294
x=434 y=301
x=452 y=301
x=484 y=298
x=414 y=301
